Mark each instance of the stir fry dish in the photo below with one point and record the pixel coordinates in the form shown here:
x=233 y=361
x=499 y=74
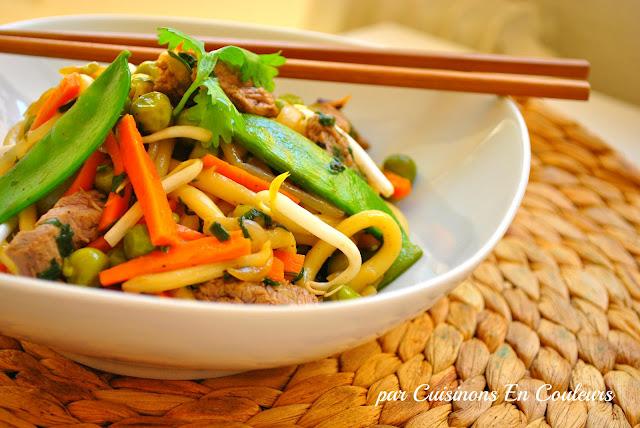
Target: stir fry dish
x=186 y=177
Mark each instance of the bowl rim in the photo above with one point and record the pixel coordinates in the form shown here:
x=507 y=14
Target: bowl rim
x=457 y=273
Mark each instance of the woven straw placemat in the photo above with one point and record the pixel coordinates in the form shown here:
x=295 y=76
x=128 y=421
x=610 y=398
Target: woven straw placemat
x=557 y=302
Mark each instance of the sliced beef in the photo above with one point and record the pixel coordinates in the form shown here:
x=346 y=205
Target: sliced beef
x=334 y=108
x=244 y=95
x=75 y=216
x=330 y=139
x=173 y=78
x=235 y=291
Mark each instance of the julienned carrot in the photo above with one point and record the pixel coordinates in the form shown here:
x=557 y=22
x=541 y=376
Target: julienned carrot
x=146 y=183
x=87 y=174
x=292 y=262
x=112 y=147
x=187 y=233
x=100 y=244
x=241 y=176
x=277 y=270
x=68 y=89
x=191 y=253
x=114 y=208
x=401 y=185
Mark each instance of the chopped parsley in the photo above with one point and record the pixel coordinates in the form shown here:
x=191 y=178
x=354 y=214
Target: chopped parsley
x=219 y=232
x=298 y=276
x=326 y=119
x=254 y=214
x=64 y=240
x=53 y=272
x=335 y=166
x=271 y=282
x=245 y=231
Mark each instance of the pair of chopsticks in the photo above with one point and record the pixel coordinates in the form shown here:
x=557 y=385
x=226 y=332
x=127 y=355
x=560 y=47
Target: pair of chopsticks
x=480 y=73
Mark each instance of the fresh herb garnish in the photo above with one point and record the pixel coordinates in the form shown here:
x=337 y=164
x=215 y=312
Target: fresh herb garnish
x=254 y=214
x=335 y=166
x=245 y=231
x=53 y=272
x=64 y=240
x=219 y=231
x=116 y=181
x=298 y=276
x=271 y=282
x=326 y=119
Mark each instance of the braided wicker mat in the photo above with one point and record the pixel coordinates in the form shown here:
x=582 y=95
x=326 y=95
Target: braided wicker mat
x=557 y=303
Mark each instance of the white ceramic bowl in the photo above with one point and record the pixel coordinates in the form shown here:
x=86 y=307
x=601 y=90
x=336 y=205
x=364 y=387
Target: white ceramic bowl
x=473 y=157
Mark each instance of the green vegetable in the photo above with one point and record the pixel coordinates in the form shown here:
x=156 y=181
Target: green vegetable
x=77 y=134
x=259 y=217
x=150 y=68
x=271 y=282
x=152 y=111
x=326 y=119
x=285 y=150
x=298 y=277
x=345 y=293
x=117 y=256
x=245 y=231
x=64 y=240
x=104 y=178
x=140 y=84
x=219 y=232
x=116 y=181
x=53 y=272
x=84 y=265
x=402 y=165
x=213 y=109
x=137 y=242
x=335 y=166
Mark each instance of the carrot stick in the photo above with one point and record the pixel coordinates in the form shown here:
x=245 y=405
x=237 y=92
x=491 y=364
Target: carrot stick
x=292 y=262
x=277 y=270
x=146 y=184
x=191 y=253
x=100 y=244
x=241 y=176
x=87 y=175
x=116 y=204
x=187 y=233
x=68 y=89
x=401 y=186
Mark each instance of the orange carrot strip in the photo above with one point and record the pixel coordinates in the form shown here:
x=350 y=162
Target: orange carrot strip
x=277 y=270
x=100 y=244
x=401 y=186
x=68 y=89
x=187 y=233
x=114 y=208
x=146 y=184
x=241 y=176
x=191 y=253
x=292 y=262
x=113 y=148
x=87 y=174
x=3 y=268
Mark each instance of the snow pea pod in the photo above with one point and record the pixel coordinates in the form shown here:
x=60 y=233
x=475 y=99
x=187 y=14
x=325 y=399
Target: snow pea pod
x=77 y=134
x=314 y=170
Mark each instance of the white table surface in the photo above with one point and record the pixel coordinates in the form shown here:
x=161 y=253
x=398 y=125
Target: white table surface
x=617 y=122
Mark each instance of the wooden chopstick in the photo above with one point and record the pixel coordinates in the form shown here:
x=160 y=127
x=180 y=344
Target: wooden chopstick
x=568 y=68
x=447 y=80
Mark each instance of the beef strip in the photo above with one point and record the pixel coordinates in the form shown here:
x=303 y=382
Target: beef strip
x=34 y=251
x=328 y=137
x=334 y=108
x=246 y=97
x=235 y=291
x=173 y=78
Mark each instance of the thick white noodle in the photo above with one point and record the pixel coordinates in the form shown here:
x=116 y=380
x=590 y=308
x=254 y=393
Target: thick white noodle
x=192 y=132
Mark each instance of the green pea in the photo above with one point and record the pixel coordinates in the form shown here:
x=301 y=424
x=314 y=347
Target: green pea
x=152 y=111
x=104 y=178
x=402 y=165
x=140 y=84
x=137 y=242
x=83 y=266
x=150 y=68
x=345 y=293
x=117 y=256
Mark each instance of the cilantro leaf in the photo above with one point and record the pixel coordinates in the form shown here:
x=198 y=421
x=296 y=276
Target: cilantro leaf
x=260 y=69
x=173 y=38
x=206 y=64
x=213 y=111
